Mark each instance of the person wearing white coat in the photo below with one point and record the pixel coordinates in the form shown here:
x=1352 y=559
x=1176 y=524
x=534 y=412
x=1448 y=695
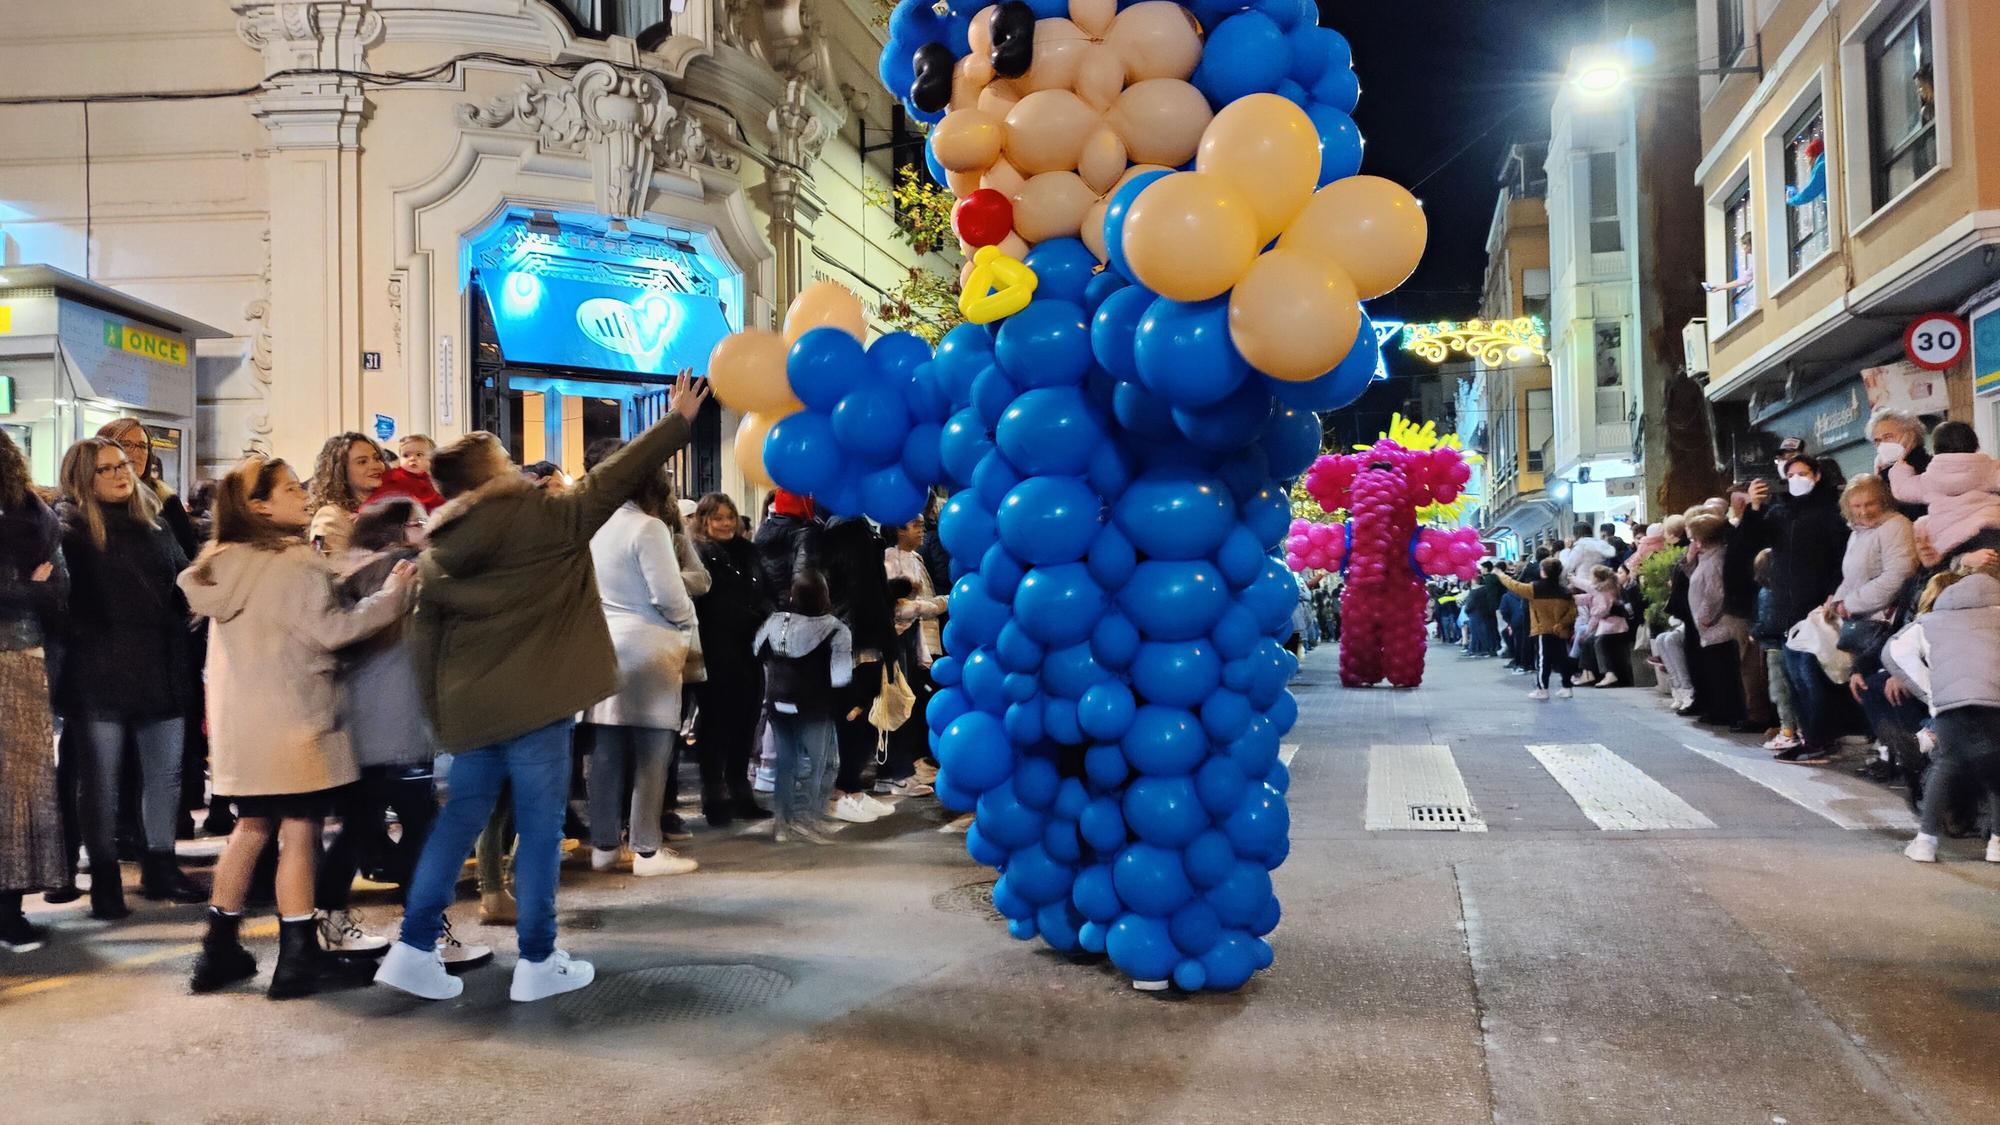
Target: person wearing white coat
x=651 y=619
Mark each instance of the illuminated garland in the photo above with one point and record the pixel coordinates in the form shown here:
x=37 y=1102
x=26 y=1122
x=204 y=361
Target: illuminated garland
x=1492 y=343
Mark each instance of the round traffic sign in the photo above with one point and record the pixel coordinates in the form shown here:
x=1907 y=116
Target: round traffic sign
x=1935 y=341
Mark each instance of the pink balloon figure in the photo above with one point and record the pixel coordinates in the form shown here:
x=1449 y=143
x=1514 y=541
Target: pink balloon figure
x=1384 y=555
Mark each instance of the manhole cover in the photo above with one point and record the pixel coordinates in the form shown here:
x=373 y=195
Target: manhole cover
x=667 y=993
x=1440 y=814
x=975 y=899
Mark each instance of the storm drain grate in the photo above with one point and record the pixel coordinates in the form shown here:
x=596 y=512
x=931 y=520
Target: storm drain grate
x=668 y=993
x=975 y=899
x=1440 y=814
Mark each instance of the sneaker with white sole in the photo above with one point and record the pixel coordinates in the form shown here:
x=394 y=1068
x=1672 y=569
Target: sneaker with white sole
x=1923 y=849
x=766 y=780
x=879 y=808
x=455 y=952
x=1993 y=849
x=851 y=810
x=1783 y=740
x=666 y=861
x=603 y=859
x=1539 y=693
x=419 y=972
x=1565 y=693
x=340 y=931
x=908 y=787
x=554 y=975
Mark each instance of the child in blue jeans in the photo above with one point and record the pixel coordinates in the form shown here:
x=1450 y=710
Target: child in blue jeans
x=807 y=654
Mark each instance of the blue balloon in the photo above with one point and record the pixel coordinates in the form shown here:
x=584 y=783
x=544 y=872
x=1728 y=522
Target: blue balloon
x=1241 y=897
x=802 y=453
x=1071 y=798
x=1291 y=441
x=1294 y=93
x=1019 y=687
x=920 y=458
x=1038 y=877
x=1340 y=142
x=1142 y=947
x=1059 y=721
x=1257 y=749
x=1195 y=928
x=1175 y=514
x=1338 y=388
x=925 y=395
x=1071 y=671
x=1232 y=961
x=1010 y=904
x=1190 y=976
x=963 y=353
x=1006 y=821
x=975 y=750
x=1102 y=824
x=890 y=497
x=1221 y=784
x=897 y=355
x=963 y=441
x=993 y=479
x=1017 y=649
x=1229 y=425
x=1090 y=937
x=1236 y=633
x=1101 y=289
x=976 y=610
x=1104 y=766
x=1142 y=412
x=1164 y=741
x=1268 y=515
x=980 y=848
x=939 y=174
x=948 y=704
x=1106 y=711
x=1023 y=722
x=1046 y=344
x=1184 y=355
x=1225 y=714
x=1064 y=268
x=1285 y=13
x=985 y=681
x=870 y=423
x=1112 y=558
x=1093 y=892
x=1114 y=220
x=1339 y=89
x=945 y=671
x=1114 y=642
x=1164 y=810
x=1259 y=823
x=1151 y=880
x=1176 y=674
x=1049 y=519
x=1057 y=924
x=1115 y=325
x=1110 y=470
x=1245 y=54
x=1283 y=711
x=1050 y=431
x=823 y=366
x=1174 y=600
x=1059 y=605
x=963 y=527
x=1240 y=558
x=1280 y=777
x=1209 y=859
x=1265 y=923
x=1271 y=597
x=992 y=393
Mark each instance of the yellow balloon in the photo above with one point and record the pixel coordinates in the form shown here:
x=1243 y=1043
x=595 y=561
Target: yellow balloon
x=747 y=372
x=824 y=304
x=1369 y=226
x=1294 y=315
x=1269 y=149
x=750 y=433
x=1190 y=236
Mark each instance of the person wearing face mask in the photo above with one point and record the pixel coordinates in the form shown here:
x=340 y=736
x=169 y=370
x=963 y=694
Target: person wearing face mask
x=1899 y=440
x=1807 y=537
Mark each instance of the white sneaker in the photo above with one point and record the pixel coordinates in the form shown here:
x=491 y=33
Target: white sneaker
x=666 y=861
x=1923 y=849
x=539 y=980
x=910 y=787
x=455 y=952
x=419 y=972
x=340 y=932
x=1539 y=693
x=1783 y=740
x=1993 y=849
x=1927 y=742
x=1517 y=671
x=1565 y=693
x=851 y=810
x=603 y=859
x=879 y=808
x=766 y=780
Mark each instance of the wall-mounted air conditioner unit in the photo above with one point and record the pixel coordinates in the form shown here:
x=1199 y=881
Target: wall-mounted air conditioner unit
x=1694 y=345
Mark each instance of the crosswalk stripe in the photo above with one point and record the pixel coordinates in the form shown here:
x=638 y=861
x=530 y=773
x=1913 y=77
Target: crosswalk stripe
x=1287 y=751
x=1612 y=792
x=1846 y=801
x=1418 y=787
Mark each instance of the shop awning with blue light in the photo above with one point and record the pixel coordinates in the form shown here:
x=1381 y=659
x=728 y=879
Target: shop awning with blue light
x=551 y=321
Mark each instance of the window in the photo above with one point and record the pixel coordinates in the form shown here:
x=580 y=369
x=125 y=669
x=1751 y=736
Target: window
x=1902 y=104
x=615 y=17
x=1740 y=254
x=1541 y=425
x=1728 y=31
x=1606 y=233
x=1807 y=232
x=1535 y=295
x=1610 y=353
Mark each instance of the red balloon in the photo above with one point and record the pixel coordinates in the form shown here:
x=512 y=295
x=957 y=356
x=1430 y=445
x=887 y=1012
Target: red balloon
x=984 y=218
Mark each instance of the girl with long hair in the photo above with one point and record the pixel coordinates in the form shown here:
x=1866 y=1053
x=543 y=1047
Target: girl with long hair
x=280 y=753
x=126 y=672
x=33 y=586
x=347 y=472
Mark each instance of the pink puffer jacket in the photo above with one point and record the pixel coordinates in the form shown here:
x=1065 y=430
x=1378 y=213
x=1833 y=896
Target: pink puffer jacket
x=1962 y=489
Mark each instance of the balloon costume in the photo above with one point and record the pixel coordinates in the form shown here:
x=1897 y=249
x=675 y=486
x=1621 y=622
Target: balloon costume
x=1167 y=245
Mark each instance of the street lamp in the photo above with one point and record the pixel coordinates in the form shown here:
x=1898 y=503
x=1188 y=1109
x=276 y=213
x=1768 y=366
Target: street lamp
x=1600 y=78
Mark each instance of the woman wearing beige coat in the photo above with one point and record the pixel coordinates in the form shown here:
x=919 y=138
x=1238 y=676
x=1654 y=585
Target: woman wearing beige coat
x=275 y=743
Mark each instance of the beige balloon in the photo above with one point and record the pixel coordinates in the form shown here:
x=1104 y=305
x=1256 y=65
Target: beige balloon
x=1103 y=160
x=1270 y=148
x=962 y=184
x=979 y=33
x=1190 y=236
x=1157 y=40
x=1371 y=227
x=1051 y=205
x=747 y=372
x=1059 y=48
x=825 y=304
x=1014 y=246
x=1046 y=131
x=971 y=75
x=1003 y=177
x=968 y=140
x=1000 y=97
x=1093 y=229
x=750 y=435
x=1093 y=16
x=1294 y=315
x=1100 y=78
x=1161 y=121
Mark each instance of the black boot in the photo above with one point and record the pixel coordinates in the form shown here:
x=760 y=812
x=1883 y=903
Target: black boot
x=302 y=964
x=223 y=960
x=221 y=819
x=162 y=880
x=747 y=808
x=716 y=808
x=107 y=892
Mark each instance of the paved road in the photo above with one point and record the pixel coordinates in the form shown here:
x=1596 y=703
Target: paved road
x=1610 y=915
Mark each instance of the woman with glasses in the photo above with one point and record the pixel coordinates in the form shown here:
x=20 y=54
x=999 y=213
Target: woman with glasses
x=349 y=469
x=127 y=668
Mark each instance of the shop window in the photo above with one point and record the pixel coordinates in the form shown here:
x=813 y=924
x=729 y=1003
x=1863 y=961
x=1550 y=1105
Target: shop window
x=1807 y=231
x=1740 y=253
x=1606 y=232
x=1902 y=104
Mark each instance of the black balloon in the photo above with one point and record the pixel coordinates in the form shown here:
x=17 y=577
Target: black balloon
x=1013 y=39
x=933 y=63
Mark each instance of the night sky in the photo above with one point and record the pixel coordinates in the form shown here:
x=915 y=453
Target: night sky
x=1438 y=76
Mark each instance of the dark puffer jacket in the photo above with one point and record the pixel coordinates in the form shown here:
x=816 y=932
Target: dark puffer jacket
x=127 y=653
x=30 y=611
x=785 y=545
x=1808 y=538
x=732 y=610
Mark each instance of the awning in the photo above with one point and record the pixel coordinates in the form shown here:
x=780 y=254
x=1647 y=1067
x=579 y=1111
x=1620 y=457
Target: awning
x=560 y=322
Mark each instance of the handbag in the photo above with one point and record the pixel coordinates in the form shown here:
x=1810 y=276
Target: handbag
x=1818 y=637
x=895 y=703
x=1863 y=634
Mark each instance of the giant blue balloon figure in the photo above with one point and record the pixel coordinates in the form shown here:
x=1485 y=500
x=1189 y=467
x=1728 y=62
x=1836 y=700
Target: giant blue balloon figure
x=1168 y=244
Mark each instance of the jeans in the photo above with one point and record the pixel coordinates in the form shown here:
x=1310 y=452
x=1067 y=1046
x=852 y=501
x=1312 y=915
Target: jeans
x=644 y=753
x=1551 y=660
x=1780 y=687
x=1968 y=753
x=102 y=746
x=537 y=766
x=1484 y=633
x=807 y=759
x=1809 y=686
x=408 y=790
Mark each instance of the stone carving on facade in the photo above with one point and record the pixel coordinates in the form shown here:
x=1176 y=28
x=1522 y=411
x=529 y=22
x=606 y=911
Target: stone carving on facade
x=740 y=25
x=396 y=311
x=798 y=132
x=301 y=40
x=257 y=311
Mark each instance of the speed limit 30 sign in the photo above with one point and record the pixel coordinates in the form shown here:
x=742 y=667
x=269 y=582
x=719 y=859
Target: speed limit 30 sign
x=1935 y=341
